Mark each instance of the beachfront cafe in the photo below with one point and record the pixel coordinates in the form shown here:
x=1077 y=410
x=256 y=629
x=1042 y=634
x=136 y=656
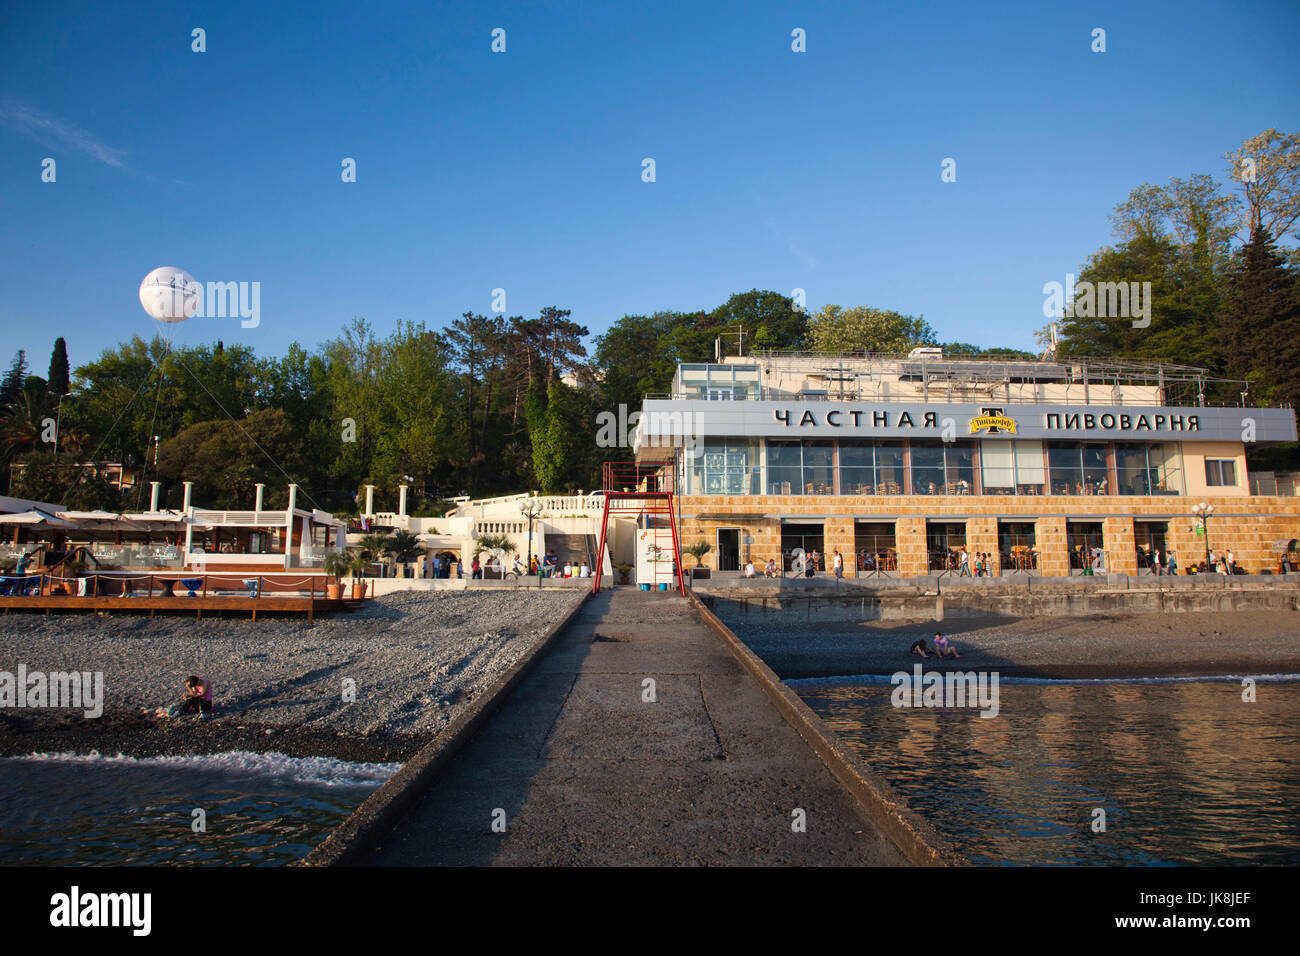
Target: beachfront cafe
x=904 y=463
x=204 y=551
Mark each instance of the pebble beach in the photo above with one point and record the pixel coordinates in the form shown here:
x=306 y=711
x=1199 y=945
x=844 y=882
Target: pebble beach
x=414 y=659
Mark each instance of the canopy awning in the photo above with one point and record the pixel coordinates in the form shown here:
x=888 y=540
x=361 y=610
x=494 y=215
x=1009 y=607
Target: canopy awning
x=38 y=520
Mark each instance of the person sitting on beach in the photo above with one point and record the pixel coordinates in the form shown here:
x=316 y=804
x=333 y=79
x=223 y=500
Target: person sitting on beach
x=918 y=647
x=942 y=648
x=771 y=570
x=750 y=570
x=197 y=699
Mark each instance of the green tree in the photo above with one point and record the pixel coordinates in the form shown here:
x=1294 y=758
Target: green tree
x=867 y=329
x=59 y=378
x=1259 y=331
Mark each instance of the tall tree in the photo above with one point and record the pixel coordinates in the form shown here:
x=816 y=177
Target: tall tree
x=1267 y=167
x=1260 y=330
x=12 y=384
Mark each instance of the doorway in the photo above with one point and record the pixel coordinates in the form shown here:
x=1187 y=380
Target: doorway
x=728 y=549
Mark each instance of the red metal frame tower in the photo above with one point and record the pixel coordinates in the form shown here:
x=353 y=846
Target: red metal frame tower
x=647 y=490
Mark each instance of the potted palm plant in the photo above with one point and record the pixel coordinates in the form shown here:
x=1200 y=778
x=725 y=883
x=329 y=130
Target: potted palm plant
x=375 y=545
x=405 y=548
x=697 y=551
x=357 y=565
x=495 y=544
x=336 y=565
x=624 y=570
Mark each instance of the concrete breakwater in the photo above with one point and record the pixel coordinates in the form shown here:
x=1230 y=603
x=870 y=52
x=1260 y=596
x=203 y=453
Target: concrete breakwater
x=827 y=599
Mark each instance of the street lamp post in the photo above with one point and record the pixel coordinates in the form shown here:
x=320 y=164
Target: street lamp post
x=530 y=508
x=1203 y=513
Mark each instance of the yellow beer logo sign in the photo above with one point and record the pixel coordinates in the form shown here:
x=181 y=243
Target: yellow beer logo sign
x=994 y=421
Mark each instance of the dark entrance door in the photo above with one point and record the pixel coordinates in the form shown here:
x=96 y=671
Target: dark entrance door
x=728 y=549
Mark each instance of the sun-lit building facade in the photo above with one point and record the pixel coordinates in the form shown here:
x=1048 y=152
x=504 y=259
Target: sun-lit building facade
x=900 y=463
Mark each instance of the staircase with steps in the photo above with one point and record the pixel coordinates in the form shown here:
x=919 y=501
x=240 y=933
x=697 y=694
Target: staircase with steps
x=572 y=548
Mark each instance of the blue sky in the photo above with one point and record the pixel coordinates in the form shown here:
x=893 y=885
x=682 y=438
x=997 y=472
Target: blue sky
x=522 y=170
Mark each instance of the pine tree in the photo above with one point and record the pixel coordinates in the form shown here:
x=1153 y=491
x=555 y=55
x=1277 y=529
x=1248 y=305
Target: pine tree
x=12 y=385
x=1260 y=331
x=59 y=377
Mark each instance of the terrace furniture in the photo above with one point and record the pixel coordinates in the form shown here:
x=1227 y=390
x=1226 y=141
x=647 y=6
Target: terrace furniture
x=192 y=585
x=253 y=585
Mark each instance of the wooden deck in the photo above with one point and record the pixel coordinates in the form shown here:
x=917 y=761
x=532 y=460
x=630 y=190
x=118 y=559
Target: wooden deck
x=213 y=604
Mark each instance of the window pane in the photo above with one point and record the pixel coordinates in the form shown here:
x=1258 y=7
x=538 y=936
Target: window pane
x=1131 y=469
x=1064 y=459
x=857 y=468
x=889 y=468
x=818 y=474
x=960 y=473
x=1031 y=469
x=997 y=462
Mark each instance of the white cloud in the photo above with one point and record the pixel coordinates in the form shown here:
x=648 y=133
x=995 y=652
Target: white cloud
x=52 y=131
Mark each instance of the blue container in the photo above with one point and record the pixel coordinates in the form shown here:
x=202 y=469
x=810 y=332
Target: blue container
x=663 y=586
x=645 y=587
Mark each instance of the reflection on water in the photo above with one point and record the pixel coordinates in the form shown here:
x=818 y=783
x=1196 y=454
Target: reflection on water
x=261 y=809
x=1186 y=772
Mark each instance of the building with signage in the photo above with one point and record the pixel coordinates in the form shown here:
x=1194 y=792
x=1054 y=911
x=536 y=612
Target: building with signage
x=901 y=463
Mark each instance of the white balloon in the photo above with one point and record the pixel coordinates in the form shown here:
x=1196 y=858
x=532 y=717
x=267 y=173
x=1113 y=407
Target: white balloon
x=170 y=294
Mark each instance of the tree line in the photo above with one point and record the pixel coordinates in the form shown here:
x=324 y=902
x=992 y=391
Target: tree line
x=493 y=404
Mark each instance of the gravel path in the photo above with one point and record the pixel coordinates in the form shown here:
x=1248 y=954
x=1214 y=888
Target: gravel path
x=1092 y=646
x=415 y=658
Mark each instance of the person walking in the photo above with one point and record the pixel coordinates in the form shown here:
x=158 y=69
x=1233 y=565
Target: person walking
x=837 y=564
x=963 y=564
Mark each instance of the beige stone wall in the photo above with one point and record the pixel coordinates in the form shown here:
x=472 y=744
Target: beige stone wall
x=1247 y=525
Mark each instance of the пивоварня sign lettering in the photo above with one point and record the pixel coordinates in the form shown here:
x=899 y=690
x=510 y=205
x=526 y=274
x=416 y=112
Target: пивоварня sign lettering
x=1053 y=421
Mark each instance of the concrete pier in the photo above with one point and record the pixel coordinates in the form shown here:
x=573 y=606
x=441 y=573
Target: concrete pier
x=588 y=764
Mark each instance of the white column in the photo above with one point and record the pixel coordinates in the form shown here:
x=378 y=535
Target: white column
x=370 y=500
x=188 y=512
x=401 y=501
x=257 y=503
x=288 y=525
x=154 y=488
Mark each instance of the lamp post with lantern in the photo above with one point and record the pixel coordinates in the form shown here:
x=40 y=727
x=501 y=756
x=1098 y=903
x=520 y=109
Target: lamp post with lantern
x=1203 y=513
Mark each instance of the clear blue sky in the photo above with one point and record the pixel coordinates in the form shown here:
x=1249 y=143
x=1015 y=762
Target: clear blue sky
x=522 y=170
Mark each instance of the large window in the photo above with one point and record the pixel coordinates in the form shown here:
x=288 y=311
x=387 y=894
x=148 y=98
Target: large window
x=784 y=467
x=1013 y=467
x=1017 y=545
x=857 y=468
x=800 y=468
x=876 y=546
x=927 y=468
x=717 y=382
x=727 y=467
x=819 y=468
x=1147 y=469
x=1077 y=468
x=889 y=468
x=1220 y=472
x=944 y=541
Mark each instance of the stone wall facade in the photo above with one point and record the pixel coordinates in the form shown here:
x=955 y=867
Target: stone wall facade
x=1249 y=526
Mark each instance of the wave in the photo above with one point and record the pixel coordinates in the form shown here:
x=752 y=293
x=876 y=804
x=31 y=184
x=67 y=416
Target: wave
x=320 y=771
x=798 y=683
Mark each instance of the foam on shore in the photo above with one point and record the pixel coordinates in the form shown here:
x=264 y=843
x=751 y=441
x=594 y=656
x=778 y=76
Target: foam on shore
x=319 y=771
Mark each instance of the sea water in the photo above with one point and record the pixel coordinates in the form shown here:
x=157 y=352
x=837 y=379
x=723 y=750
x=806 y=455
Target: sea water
x=256 y=809
x=1183 y=771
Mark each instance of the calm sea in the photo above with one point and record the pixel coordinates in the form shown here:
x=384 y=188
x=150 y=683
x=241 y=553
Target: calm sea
x=260 y=809
x=1185 y=771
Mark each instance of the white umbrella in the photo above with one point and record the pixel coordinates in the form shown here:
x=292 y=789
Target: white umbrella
x=38 y=520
